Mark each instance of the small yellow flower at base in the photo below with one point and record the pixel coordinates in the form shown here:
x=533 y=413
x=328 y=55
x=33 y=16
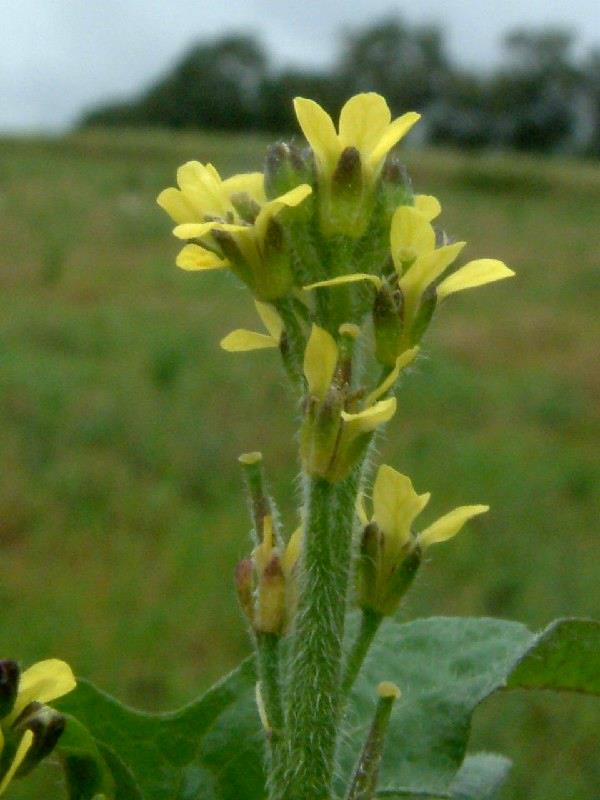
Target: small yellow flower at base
x=391 y=551
x=274 y=568
x=41 y=683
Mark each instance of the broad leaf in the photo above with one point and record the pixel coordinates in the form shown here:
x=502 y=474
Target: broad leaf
x=209 y=749
x=445 y=667
x=212 y=749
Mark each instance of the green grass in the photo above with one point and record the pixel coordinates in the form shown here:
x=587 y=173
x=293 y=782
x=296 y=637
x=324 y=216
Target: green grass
x=121 y=509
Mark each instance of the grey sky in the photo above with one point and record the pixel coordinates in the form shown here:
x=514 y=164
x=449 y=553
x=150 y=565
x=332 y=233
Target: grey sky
x=58 y=56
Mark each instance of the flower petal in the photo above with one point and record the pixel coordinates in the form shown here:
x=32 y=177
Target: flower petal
x=202 y=187
x=411 y=235
x=363 y=121
x=428 y=205
x=396 y=504
x=43 y=682
x=196 y=230
x=192 y=257
x=399 y=128
x=401 y=362
x=449 y=525
x=291 y=554
x=371 y=418
x=354 y=277
x=242 y=341
x=270 y=319
x=319 y=131
x=320 y=361
x=475 y=273
x=22 y=750
x=429 y=266
x=251 y=183
x=290 y=199
x=177 y=207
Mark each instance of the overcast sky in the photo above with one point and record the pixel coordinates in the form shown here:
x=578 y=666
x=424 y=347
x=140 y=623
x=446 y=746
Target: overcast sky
x=59 y=56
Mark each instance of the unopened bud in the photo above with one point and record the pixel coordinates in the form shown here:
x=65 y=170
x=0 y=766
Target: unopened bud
x=388 y=325
x=47 y=726
x=271 y=604
x=247 y=208
x=320 y=432
x=424 y=315
x=275 y=278
x=285 y=168
x=9 y=684
x=394 y=186
x=233 y=254
x=243 y=585
x=347 y=177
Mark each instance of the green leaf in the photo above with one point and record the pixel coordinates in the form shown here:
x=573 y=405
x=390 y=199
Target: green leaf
x=445 y=668
x=86 y=772
x=209 y=749
x=480 y=777
x=212 y=749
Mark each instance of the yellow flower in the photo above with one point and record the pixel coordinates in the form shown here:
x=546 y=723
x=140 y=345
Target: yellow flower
x=41 y=683
x=337 y=427
x=242 y=340
x=232 y=225
x=391 y=550
x=349 y=160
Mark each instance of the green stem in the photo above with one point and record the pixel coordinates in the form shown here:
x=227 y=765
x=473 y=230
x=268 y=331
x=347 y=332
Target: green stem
x=267 y=650
x=369 y=625
x=314 y=696
x=366 y=774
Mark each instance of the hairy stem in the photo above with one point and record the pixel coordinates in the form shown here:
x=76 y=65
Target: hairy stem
x=314 y=696
x=267 y=649
x=369 y=625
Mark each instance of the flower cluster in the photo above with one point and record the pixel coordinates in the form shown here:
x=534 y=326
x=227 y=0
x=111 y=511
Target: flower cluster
x=347 y=267
x=337 y=251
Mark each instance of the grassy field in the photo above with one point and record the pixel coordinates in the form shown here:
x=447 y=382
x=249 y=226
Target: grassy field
x=121 y=509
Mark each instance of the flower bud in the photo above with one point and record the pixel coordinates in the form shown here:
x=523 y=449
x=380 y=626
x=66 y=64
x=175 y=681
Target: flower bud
x=271 y=598
x=423 y=316
x=46 y=725
x=394 y=187
x=285 y=168
x=247 y=208
x=243 y=585
x=387 y=323
x=9 y=684
x=344 y=214
x=274 y=278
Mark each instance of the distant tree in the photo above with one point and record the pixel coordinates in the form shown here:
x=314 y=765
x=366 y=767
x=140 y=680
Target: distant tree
x=278 y=91
x=406 y=64
x=533 y=96
x=591 y=80
x=215 y=85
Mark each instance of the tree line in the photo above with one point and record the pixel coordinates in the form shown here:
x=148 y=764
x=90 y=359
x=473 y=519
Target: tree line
x=541 y=97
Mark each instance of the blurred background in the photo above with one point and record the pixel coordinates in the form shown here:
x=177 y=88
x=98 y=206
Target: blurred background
x=121 y=508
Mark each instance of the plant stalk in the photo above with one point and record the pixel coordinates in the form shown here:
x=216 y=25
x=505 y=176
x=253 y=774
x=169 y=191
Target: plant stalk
x=314 y=695
x=369 y=625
